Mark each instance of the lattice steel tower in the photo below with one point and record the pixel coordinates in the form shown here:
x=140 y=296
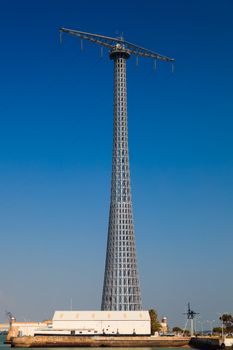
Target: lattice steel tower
x=121 y=290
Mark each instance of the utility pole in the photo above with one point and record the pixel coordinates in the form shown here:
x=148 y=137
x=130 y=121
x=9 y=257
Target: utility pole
x=190 y=316
x=121 y=289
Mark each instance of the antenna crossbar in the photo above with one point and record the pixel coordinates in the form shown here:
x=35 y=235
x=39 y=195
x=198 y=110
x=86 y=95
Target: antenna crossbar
x=117 y=43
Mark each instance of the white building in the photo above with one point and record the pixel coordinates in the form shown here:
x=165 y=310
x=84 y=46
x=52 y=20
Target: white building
x=164 y=325
x=98 y=323
x=19 y=329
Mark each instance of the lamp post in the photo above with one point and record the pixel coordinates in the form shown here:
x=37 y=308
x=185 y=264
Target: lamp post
x=222 y=325
x=222 y=330
x=211 y=325
x=201 y=323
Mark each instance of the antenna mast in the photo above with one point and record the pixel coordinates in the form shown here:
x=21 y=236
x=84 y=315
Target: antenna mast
x=190 y=316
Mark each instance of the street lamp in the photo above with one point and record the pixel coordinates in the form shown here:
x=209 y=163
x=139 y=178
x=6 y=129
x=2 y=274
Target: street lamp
x=220 y=318
x=211 y=325
x=201 y=324
x=222 y=329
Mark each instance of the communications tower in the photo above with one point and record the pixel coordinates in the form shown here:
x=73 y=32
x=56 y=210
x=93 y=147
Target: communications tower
x=121 y=289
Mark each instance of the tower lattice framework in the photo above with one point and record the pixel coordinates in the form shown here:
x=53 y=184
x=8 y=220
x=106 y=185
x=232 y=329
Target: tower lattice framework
x=121 y=289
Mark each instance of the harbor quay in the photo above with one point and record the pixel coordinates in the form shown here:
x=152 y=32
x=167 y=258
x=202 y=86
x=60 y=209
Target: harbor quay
x=91 y=329
x=212 y=342
x=105 y=329
x=100 y=341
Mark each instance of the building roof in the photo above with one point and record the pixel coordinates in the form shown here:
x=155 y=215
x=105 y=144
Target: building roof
x=101 y=315
x=28 y=324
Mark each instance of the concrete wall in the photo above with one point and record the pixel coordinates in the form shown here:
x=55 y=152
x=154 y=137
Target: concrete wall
x=100 y=341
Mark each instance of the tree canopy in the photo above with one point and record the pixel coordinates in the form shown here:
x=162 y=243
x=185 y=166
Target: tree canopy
x=217 y=330
x=154 y=322
x=177 y=330
x=227 y=320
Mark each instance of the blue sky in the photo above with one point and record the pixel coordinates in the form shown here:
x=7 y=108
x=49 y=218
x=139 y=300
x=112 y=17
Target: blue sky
x=56 y=144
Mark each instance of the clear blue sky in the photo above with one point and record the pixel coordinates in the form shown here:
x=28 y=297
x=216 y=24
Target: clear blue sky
x=56 y=144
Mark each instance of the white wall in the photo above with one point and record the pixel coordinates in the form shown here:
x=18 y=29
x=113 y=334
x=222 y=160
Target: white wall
x=102 y=322
x=26 y=329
